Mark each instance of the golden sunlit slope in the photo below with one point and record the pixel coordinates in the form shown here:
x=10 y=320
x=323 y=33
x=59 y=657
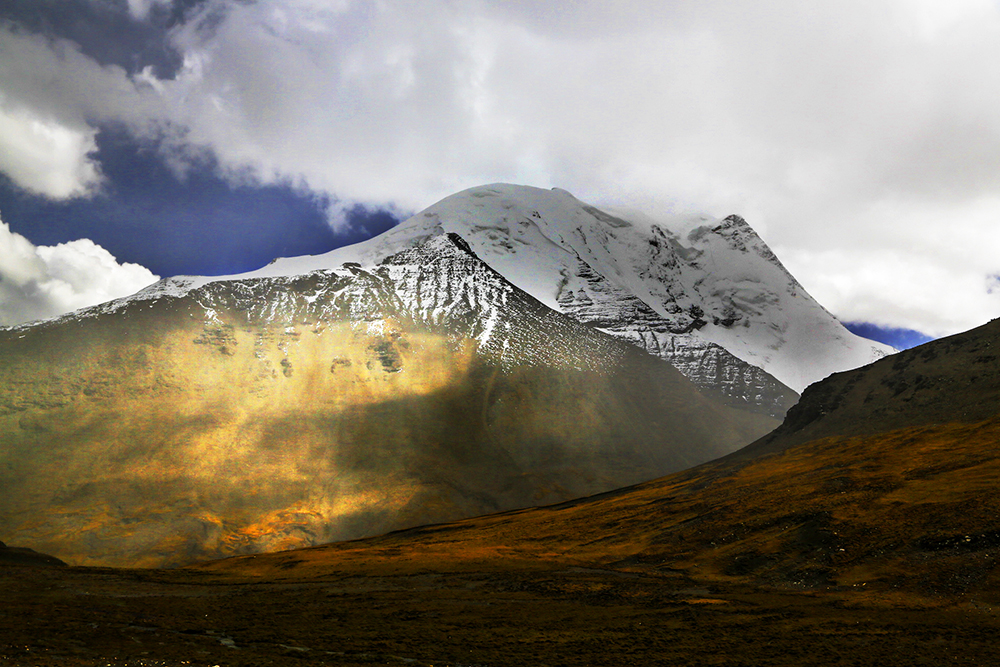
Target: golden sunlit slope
x=904 y=513
x=274 y=413
x=911 y=512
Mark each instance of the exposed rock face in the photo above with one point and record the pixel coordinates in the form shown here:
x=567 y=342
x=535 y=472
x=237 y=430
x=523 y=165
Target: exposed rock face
x=713 y=281
x=235 y=416
x=589 y=298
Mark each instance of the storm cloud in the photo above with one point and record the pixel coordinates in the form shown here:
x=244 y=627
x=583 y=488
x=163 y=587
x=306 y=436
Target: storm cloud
x=860 y=139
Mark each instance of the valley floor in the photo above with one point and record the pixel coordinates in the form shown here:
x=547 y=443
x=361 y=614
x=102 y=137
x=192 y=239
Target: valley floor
x=524 y=616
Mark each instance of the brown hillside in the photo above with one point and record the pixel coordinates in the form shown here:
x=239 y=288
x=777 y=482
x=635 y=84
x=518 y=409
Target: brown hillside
x=909 y=513
x=907 y=508
x=954 y=379
x=248 y=416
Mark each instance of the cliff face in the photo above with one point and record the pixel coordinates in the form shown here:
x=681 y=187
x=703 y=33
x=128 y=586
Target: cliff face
x=589 y=298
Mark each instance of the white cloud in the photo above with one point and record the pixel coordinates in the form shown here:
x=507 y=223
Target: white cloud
x=37 y=282
x=914 y=292
x=849 y=134
x=919 y=265
x=52 y=98
x=45 y=157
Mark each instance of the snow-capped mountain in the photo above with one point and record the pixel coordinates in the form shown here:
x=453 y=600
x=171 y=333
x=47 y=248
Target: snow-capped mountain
x=707 y=295
x=716 y=285
x=207 y=418
x=486 y=354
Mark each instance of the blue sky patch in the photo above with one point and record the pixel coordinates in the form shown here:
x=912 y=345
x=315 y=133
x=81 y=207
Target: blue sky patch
x=901 y=339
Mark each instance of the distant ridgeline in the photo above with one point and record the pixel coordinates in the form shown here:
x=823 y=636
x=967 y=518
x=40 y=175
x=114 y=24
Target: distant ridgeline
x=21 y=557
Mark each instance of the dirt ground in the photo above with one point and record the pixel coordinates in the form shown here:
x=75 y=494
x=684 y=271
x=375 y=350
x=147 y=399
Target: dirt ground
x=543 y=616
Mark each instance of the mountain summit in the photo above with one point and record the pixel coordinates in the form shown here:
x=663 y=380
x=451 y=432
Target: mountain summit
x=710 y=297
x=716 y=285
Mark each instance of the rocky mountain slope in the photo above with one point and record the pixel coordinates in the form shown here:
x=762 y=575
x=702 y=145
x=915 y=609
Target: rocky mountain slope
x=709 y=285
x=236 y=416
x=21 y=557
x=715 y=280
x=878 y=489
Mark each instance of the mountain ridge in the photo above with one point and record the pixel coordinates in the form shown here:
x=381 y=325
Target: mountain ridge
x=918 y=385
x=739 y=327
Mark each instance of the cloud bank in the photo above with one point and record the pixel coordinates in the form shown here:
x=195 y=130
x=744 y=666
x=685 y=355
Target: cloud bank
x=860 y=138
x=38 y=282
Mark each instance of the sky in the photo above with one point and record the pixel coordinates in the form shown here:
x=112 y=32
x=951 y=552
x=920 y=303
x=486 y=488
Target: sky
x=147 y=138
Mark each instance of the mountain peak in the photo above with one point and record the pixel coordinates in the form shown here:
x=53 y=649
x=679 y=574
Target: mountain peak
x=733 y=222
x=734 y=228
x=741 y=236
x=607 y=267
x=633 y=276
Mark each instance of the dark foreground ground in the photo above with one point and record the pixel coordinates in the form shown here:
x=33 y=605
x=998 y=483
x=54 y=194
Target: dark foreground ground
x=526 y=616
x=872 y=550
